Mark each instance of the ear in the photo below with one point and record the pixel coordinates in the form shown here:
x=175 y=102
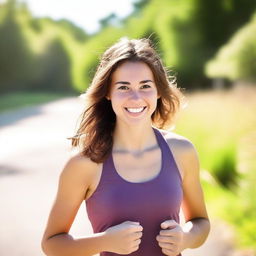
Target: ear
x=107 y=97
x=158 y=96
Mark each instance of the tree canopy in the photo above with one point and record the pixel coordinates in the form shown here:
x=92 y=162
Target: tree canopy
x=186 y=33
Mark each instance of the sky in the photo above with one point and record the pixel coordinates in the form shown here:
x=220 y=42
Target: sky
x=84 y=13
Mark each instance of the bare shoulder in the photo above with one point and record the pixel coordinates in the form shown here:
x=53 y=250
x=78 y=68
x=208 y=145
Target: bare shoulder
x=80 y=169
x=178 y=142
x=183 y=150
x=78 y=165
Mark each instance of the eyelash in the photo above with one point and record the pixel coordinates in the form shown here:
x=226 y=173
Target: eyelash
x=148 y=86
x=124 y=87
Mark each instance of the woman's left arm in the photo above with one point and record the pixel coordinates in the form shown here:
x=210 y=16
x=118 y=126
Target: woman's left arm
x=174 y=238
x=197 y=226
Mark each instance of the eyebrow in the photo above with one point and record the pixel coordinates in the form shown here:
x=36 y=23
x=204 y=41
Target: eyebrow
x=141 y=82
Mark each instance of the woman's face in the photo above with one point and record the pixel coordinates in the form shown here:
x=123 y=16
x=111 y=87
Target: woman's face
x=133 y=93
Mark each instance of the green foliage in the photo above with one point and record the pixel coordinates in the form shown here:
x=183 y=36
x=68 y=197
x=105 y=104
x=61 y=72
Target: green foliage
x=16 y=58
x=236 y=59
x=54 y=68
x=185 y=33
x=221 y=125
x=37 y=53
x=247 y=189
x=76 y=32
x=224 y=168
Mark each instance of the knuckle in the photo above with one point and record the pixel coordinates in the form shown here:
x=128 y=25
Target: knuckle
x=162 y=233
x=164 y=252
x=134 y=249
x=130 y=228
x=139 y=241
x=169 y=246
x=126 y=222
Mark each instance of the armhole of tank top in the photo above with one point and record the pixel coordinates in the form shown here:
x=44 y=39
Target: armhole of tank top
x=172 y=155
x=98 y=184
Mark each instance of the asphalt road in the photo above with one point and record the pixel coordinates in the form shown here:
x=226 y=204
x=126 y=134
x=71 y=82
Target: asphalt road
x=33 y=152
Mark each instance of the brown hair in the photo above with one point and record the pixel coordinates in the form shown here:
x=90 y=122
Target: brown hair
x=98 y=120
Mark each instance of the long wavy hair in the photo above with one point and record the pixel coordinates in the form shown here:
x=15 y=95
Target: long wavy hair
x=94 y=135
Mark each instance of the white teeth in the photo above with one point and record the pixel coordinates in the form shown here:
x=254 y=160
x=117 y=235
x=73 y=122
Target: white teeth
x=135 y=110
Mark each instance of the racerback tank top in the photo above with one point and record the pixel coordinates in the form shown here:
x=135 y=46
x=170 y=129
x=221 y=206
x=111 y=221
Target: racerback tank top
x=116 y=200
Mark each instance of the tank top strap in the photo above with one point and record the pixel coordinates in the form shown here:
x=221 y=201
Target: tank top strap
x=168 y=160
x=108 y=168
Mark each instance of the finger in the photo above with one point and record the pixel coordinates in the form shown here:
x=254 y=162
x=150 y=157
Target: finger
x=170 y=246
x=177 y=231
x=137 y=235
x=134 y=222
x=168 y=252
x=135 y=228
x=167 y=232
x=169 y=224
x=137 y=242
x=131 y=222
x=166 y=239
x=135 y=248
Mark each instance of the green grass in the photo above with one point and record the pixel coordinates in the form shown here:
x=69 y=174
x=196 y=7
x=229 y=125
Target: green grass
x=222 y=126
x=15 y=100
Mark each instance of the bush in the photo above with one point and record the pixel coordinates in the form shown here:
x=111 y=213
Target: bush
x=16 y=58
x=237 y=59
x=222 y=124
x=54 y=69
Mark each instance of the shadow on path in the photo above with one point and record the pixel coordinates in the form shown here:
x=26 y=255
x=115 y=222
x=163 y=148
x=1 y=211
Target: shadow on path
x=11 y=117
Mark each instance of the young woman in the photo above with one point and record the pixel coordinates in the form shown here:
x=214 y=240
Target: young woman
x=133 y=176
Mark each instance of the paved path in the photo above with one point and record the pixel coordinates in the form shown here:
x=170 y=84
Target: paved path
x=33 y=151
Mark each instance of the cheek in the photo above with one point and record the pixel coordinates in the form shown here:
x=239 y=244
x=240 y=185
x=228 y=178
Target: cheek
x=151 y=96
x=116 y=101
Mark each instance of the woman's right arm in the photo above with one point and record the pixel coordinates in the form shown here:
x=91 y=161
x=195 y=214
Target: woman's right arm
x=74 y=183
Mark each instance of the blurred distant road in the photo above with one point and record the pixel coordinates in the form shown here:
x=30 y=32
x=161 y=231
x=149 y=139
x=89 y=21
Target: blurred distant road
x=33 y=151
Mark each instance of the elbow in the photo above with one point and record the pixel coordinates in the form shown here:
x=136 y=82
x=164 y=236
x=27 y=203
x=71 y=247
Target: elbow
x=44 y=247
x=53 y=245
x=202 y=230
x=206 y=227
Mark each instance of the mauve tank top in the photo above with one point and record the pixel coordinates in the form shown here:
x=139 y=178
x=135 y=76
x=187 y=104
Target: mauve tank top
x=116 y=200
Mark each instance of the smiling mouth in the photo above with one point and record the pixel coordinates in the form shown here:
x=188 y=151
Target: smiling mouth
x=135 y=110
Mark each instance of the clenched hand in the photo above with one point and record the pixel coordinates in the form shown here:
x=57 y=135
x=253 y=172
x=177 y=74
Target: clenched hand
x=125 y=237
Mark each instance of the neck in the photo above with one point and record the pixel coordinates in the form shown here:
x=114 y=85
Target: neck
x=133 y=139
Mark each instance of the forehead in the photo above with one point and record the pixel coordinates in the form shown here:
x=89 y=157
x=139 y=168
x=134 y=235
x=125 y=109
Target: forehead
x=132 y=71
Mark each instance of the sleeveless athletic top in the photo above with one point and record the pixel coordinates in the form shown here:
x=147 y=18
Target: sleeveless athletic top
x=116 y=200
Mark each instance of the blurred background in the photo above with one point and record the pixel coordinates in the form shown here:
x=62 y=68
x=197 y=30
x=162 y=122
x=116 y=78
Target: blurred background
x=48 y=55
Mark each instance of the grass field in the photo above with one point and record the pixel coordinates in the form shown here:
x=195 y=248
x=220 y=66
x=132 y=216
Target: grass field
x=222 y=126
x=16 y=100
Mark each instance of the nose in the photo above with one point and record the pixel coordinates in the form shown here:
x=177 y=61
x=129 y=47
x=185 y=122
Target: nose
x=135 y=95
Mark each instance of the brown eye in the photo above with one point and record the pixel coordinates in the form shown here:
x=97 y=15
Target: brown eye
x=145 y=86
x=123 y=87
